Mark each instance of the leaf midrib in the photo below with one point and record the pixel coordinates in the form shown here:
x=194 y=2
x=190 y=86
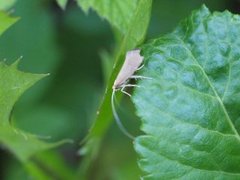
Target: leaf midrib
x=212 y=87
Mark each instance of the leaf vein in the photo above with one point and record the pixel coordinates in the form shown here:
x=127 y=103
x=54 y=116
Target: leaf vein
x=212 y=87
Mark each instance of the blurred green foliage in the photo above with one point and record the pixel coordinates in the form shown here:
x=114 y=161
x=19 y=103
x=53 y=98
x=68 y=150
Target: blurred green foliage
x=68 y=44
x=4 y=5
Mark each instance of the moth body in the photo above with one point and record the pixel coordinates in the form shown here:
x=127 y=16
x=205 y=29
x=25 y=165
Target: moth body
x=132 y=62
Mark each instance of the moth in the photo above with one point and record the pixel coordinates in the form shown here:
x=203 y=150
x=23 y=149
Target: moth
x=132 y=63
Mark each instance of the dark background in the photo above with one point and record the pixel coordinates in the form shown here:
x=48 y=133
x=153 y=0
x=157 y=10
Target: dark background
x=75 y=48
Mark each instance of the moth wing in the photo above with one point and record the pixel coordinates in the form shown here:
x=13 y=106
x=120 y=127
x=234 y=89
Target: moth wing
x=132 y=61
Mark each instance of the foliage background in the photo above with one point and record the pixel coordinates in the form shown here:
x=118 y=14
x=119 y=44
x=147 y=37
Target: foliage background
x=75 y=48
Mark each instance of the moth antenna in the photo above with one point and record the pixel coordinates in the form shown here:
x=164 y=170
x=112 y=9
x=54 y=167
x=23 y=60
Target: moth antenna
x=118 y=120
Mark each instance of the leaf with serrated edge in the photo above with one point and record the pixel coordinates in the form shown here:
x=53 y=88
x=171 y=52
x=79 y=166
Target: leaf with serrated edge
x=190 y=109
x=12 y=85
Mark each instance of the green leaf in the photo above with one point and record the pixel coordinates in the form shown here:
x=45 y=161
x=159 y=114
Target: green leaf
x=118 y=13
x=62 y=3
x=21 y=144
x=12 y=85
x=5 y=21
x=133 y=37
x=190 y=108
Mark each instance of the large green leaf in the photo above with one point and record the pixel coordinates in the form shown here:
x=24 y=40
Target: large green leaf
x=190 y=109
x=118 y=13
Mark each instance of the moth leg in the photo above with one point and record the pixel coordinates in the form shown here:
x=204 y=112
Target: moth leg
x=122 y=90
x=140 y=67
x=130 y=85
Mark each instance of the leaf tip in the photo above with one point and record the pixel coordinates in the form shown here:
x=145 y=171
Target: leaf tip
x=62 y=4
x=16 y=63
x=204 y=9
x=83 y=6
